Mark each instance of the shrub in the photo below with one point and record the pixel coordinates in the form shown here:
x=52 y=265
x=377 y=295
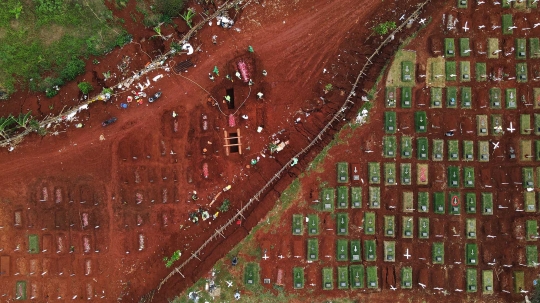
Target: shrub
x=224 y=206
x=169 y=261
x=73 y=68
x=123 y=39
x=50 y=92
x=85 y=87
x=169 y=8
x=383 y=28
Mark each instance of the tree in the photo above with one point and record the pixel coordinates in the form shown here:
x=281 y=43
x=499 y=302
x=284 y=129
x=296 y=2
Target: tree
x=169 y=8
x=535 y=296
x=74 y=68
x=85 y=87
x=383 y=28
x=23 y=119
x=224 y=206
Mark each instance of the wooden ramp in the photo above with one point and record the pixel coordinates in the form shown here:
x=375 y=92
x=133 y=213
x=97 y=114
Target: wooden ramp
x=233 y=143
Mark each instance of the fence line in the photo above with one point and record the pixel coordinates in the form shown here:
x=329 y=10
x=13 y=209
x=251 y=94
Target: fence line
x=318 y=138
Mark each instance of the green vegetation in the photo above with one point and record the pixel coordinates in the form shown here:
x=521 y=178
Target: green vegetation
x=532 y=230
x=420 y=121
x=33 y=243
x=342 y=221
x=343 y=277
x=407 y=228
x=374 y=172
x=464 y=47
x=342 y=250
x=406 y=277
x=436 y=97
x=251 y=274
x=85 y=87
x=466 y=97
x=356 y=197
x=481 y=125
x=328 y=199
x=44 y=40
x=389 y=251
x=495 y=98
x=531 y=252
x=462 y=3
x=423 y=148
x=507 y=23
x=483 y=151
x=390 y=173
x=450 y=71
x=298 y=277
x=487 y=281
x=372 y=279
x=519 y=281
x=356 y=251
x=465 y=70
x=224 y=207
x=389 y=226
x=407 y=71
x=470 y=227
x=530 y=203
x=408 y=201
x=369 y=223
x=472 y=283
x=468 y=176
x=406 y=172
x=402 y=70
x=342 y=197
x=406 y=147
x=328 y=87
x=481 y=71
x=521 y=72
x=175 y=257
x=435 y=72
x=454 y=200
x=453 y=176
x=496 y=124
x=343 y=172
x=451 y=97
x=449 y=47
x=313 y=224
x=390 y=122
x=406 y=97
x=328 y=278
x=521 y=48
x=493 y=45
x=188 y=16
x=438 y=202
x=20 y=290
x=297 y=226
x=423 y=201
x=423 y=228
x=525 y=124
x=453 y=150
x=534 y=48
x=390 y=97
x=437 y=253
x=438 y=149
x=389 y=146
x=312 y=249
x=357 y=276
x=487 y=203
x=374 y=197
x=384 y=28
x=471 y=254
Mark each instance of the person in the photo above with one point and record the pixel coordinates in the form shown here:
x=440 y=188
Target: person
x=264 y=72
x=211 y=77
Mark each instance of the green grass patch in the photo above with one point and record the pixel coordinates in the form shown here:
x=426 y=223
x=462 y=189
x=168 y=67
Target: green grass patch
x=526 y=151
x=342 y=250
x=372 y=279
x=532 y=4
x=525 y=124
x=356 y=197
x=468 y=150
x=343 y=277
x=297 y=226
x=450 y=70
x=406 y=97
x=313 y=224
x=483 y=151
x=251 y=274
x=407 y=228
x=390 y=97
x=435 y=72
x=454 y=203
x=389 y=251
x=492 y=47
x=451 y=97
x=20 y=290
x=390 y=226
x=487 y=281
x=390 y=122
x=530 y=203
x=374 y=172
x=374 y=197
x=298 y=277
x=487 y=203
x=436 y=97
x=470 y=199
x=462 y=3
x=453 y=150
x=470 y=228
x=481 y=71
x=453 y=176
x=534 y=49
x=511 y=98
x=537 y=124
x=531 y=252
x=521 y=72
x=449 y=47
x=401 y=71
x=495 y=98
x=420 y=121
x=472 y=283
x=33 y=243
x=423 y=228
x=342 y=221
x=328 y=278
x=537 y=158
x=406 y=147
x=437 y=253
x=521 y=48
x=527 y=174
x=390 y=173
x=408 y=201
x=507 y=23
x=438 y=202
x=343 y=172
x=471 y=254
x=312 y=249
x=342 y=197
x=468 y=176
x=465 y=71
x=406 y=277
x=356 y=251
x=466 y=98
x=389 y=146
x=357 y=276
x=423 y=201
x=422 y=148
x=438 y=149
x=406 y=175
x=519 y=281
x=464 y=47
x=497 y=125
x=531 y=230
x=369 y=223
x=328 y=199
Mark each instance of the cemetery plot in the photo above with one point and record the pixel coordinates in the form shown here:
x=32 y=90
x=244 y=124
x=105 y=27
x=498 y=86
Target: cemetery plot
x=526 y=153
x=438 y=202
x=407 y=227
x=356 y=251
x=487 y=203
x=420 y=121
x=343 y=277
x=408 y=201
x=328 y=199
x=390 y=173
x=468 y=176
x=470 y=199
x=534 y=48
x=496 y=125
x=389 y=146
x=493 y=48
x=374 y=197
x=251 y=274
x=464 y=47
x=472 y=283
x=531 y=252
x=483 y=151
x=422 y=148
x=510 y=97
x=342 y=221
x=530 y=203
x=389 y=226
x=406 y=97
x=342 y=197
x=537 y=149
x=537 y=124
x=437 y=253
x=423 y=228
x=519 y=281
x=521 y=48
x=450 y=70
x=525 y=124
x=298 y=277
x=20 y=290
x=438 y=150
x=342 y=250
x=406 y=277
x=356 y=197
x=453 y=176
x=451 y=97
x=470 y=228
x=449 y=47
x=536 y=96
x=389 y=251
x=312 y=249
x=33 y=244
x=297 y=226
x=374 y=172
x=343 y=172
x=435 y=73
x=521 y=72
x=369 y=223
x=405 y=169
x=466 y=97
x=313 y=224
x=357 y=276
x=407 y=71
x=487 y=282
x=531 y=230
x=507 y=24
x=355 y=172
x=436 y=96
x=372 y=279
x=390 y=97
x=527 y=177
x=471 y=254
x=406 y=147
x=481 y=125
x=481 y=71
x=370 y=250
x=423 y=201
x=328 y=278
x=454 y=198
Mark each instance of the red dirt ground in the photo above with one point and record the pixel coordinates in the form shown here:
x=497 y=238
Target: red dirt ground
x=133 y=180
